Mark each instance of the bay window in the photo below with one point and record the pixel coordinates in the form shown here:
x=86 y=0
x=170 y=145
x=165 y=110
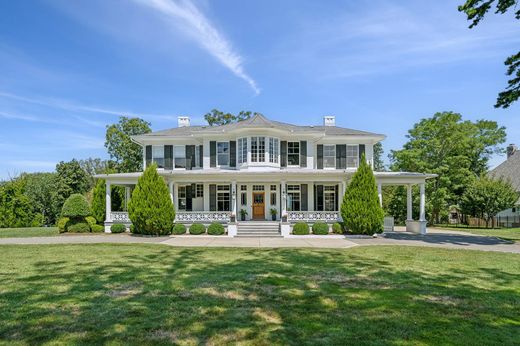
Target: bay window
x=273 y=150
x=257 y=149
x=242 y=150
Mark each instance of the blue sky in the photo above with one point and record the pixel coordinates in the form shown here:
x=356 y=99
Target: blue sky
x=69 y=68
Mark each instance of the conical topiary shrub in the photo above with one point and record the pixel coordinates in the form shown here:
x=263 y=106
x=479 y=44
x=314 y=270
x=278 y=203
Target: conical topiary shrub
x=75 y=207
x=150 y=209
x=98 y=201
x=360 y=209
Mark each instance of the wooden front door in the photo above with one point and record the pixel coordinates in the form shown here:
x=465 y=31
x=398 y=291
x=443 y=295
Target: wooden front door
x=258 y=206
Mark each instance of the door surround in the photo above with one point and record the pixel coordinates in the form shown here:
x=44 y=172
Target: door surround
x=258 y=205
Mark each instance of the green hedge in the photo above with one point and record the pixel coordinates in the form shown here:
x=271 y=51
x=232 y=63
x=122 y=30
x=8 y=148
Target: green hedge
x=63 y=223
x=117 y=228
x=320 y=228
x=75 y=207
x=300 y=228
x=337 y=228
x=216 y=229
x=97 y=228
x=197 y=228
x=91 y=221
x=179 y=228
x=78 y=227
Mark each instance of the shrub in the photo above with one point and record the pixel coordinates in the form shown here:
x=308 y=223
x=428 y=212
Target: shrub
x=360 y=209
x=300 y=228
x=98 y=201
x=78 y=227
x=197 y=228
x=179 y=228
x=63 y=223
x=320 y=228
x=117 y=228
x=216 y=229
x=151 y=208
x=38 y=220
x=97 y=228
x=91 y=221
x=75 y=207
x=133 y=229
x=337 y=228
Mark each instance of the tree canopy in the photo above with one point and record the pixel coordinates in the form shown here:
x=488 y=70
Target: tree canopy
x=475 y=11
x=127 y=154
x=216 y=117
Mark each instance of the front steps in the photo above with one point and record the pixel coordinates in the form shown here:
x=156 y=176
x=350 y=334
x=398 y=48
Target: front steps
x=256 y=229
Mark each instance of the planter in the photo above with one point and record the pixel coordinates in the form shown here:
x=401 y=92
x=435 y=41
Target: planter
x=242 y=218
x=273 y=217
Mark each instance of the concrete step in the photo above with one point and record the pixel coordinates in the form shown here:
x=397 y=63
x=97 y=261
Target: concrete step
x=239 y=235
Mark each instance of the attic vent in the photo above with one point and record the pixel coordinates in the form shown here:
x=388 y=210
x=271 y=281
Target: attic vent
x=183 y=121
x=329 y=120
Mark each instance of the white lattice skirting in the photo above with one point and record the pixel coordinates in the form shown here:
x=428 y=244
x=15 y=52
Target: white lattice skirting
x=309 y=216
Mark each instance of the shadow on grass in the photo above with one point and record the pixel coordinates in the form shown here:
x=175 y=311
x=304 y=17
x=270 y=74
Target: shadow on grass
x=149 y=294
x=458 y=239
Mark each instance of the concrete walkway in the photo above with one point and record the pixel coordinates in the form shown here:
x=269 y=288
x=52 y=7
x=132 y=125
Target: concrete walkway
x=436 y=238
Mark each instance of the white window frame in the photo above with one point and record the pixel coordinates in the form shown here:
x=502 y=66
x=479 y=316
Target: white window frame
x=222 y=191
x=199 y=190
x=156 y=158
x=242 y=150
x=258 y=146
x=329 y=196
x=197 y=157
x=181 y=157
x=294 y=190
x=352 y=156
x=181 y=192
x=273 y=149
x=295 y=144
x=225 y=153
x=329 y=156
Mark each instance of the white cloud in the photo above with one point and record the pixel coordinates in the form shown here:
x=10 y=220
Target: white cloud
x=187 y=16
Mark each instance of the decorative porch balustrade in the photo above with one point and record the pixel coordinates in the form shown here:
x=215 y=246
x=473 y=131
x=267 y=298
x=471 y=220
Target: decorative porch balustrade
x=120 y=216
x=310 y=216
x=203 y=216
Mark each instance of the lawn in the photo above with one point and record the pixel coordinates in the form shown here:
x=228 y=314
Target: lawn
x=504 y=233
x=142 y=294
x=29 y=232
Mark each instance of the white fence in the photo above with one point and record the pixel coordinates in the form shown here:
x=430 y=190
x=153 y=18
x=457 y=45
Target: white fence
x=310 y=216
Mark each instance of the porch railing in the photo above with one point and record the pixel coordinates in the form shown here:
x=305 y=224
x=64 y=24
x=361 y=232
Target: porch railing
x=120 y=216
x=309 y=216
x=203 y=216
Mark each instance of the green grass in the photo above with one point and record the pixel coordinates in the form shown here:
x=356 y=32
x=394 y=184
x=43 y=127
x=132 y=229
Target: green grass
x=142 y=294
x=28 y=232
x=504 y=233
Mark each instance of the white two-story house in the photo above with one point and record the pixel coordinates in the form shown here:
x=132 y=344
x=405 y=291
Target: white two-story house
x=260 y=170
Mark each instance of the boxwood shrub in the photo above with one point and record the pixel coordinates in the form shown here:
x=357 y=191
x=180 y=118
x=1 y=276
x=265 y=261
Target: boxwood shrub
x=63 y=223
x=117 y=228
x=300 y=228
x=97 y=228
x=78 y=227
x=320 y=228
x=75 y=207
x=337 y=228
x=179 y=228
x=197 y=228
x=91 y=221
x=216 y=229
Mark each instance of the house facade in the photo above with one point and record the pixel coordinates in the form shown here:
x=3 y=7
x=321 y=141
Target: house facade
x=509 y=170
x=260 y=170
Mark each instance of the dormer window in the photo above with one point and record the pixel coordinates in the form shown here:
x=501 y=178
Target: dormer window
x=293 y=153
x=158 y=155
x=223 y=153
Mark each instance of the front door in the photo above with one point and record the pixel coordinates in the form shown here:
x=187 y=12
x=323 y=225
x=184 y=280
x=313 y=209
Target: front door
x=258 y=206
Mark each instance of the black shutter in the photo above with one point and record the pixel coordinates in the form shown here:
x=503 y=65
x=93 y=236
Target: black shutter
x=304 y=204
x=168 y=156
x=283 y=153
x=201 y=156
x=319 y=151
x=336 y=201
x=213 y=197
x=190 y=157
x=148 y=155
x=341 y=156
x=213 y=154
x=319 y=198
x=189 y=195
x=303 y=153
x=361 y=152
x=232 y=153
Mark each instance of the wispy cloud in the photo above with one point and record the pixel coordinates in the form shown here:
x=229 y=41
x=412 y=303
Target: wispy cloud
x=186 y=15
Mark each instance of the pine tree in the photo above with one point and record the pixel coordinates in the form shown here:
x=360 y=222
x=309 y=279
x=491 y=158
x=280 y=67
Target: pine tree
x=151 y=209
x=98 y=201
x=360 y=209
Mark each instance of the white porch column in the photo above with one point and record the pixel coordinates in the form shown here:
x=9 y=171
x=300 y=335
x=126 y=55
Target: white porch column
x=284 y=199
x=234 y=198
x=127 y=197
x=175 y=194
x=108 y=202
x=310 y=197
x=170 y=188
x=422 y=214
x=380 y=194
x=409 y=215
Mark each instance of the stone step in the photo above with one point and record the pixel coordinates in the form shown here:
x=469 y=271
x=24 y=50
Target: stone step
x=239 y=235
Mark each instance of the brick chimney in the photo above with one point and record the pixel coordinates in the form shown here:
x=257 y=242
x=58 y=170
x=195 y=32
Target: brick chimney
x=511 y=149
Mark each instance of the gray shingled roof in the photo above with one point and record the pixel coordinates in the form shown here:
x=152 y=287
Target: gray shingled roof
x=259 y=121
x=509 y=169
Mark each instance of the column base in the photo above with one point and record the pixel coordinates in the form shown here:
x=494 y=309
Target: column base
x=285 y=229
x=232 y=230
x=418 y=227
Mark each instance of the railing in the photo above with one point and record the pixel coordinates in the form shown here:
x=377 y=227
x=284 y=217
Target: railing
x=309 y=216
x=120 y=216
x=203 y=216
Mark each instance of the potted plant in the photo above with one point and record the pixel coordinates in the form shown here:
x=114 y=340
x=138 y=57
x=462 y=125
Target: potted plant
x=243 y=214
x=273 y=213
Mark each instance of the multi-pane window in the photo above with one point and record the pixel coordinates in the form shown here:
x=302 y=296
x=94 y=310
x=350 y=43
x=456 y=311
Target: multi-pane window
x=223 y=153
x=329 y=198
x=179 y=152
x=257 y=149
x=293 y=197
x=182 y=198
x=199 y=192
x=352 y=156
x=242 y=150
x=273 y=150
x=329 y=156
x=243 y=187
x=158 y=155
x=293 y=153
x=258 y=187
x=273 y=198
x=223 y=198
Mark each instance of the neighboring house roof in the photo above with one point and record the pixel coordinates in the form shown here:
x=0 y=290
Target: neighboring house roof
x=510 y=170
x=261 y=122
